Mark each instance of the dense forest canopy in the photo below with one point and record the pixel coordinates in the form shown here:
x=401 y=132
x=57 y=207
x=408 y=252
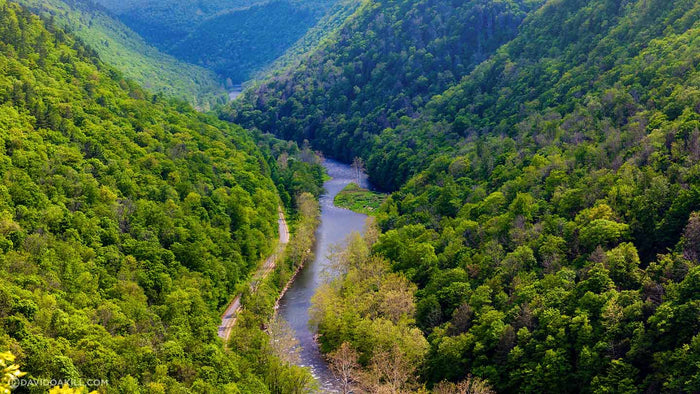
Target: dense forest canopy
x=126 y=222
x=543 y=233
x=234 y=38
x=323 y=31
x=167 y=21
x=383 y=64
x=193 y=50
x=548 y=200
x=237 y=42
x=120 y=47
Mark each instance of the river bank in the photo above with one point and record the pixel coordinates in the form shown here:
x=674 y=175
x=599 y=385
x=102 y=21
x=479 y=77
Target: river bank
x=335 y=225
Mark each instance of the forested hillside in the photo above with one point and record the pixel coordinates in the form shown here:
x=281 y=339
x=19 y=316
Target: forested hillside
x=324 y=30
x=385 y=63
x=543 y=234
x=235 y=43
x=165 y=22
x=552 y=235
x=585 y=59
x=234 y=38
x=126 y=222
x=120 y=47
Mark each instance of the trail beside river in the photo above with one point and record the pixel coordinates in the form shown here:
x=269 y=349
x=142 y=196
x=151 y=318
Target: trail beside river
x=228 y=319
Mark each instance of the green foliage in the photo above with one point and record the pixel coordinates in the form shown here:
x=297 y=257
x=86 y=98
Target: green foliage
x=546 y=198
x=123 y=49
x=295 y=171
x=261 y=354
x=324 y=30
x=371 y=310
x=543 y=235
x=10 y=371
x=296 y=254
x=238 y=42
x=272 y=355
x=571 y=196
x=167 y=21
x=385 y=62
x=126 y=222
x=234 y=38
x=358 y=199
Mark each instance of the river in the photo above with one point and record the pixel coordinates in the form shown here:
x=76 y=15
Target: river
x=336 y=224
x=234 y=92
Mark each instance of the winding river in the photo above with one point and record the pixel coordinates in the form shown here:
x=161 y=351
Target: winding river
x=336 y=225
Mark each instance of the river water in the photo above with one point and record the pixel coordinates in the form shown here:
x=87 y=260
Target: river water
x=336 y=224
x=234 y=92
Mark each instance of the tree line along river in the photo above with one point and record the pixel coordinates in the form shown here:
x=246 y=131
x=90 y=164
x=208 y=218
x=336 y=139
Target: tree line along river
x=336 y=224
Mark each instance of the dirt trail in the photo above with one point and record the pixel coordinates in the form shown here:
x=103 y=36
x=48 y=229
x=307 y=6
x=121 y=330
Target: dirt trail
x=228 y=319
